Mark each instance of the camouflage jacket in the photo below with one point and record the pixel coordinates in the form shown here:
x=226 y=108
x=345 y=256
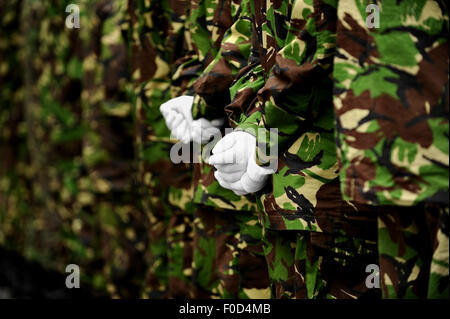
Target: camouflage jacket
x=391 y=103
x=212 y=88
x=287 y=85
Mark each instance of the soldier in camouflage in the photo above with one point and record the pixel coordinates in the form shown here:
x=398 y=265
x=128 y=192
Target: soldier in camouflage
x=391 y=107
x=362 y=115
x=227 y=247
x=15 y=190
x=316 y=244
x=155 y=44
x=74 y=173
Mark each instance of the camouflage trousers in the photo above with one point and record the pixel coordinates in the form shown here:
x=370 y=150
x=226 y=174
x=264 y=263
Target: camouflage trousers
x=169 y=255
x=228 y=255
x=318 y=265
x=165 y=199
x=180 y=236
x=414 y=251
x=157 y=212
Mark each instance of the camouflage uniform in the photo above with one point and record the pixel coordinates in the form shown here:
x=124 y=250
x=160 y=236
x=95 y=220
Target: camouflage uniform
x=74 y=210
x=71 y=195
x=52 y=124
x=108 y=190
x=316 y=244
x=228 y=256
x=15 y=191
x=165 y=188
x=391 y=105
x=48 y=132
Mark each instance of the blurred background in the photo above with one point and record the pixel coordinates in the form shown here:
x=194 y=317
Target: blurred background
x=68 y=190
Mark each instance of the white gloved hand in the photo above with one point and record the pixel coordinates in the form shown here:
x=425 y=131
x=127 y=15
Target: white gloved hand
x=177 y=113
x=235 y=160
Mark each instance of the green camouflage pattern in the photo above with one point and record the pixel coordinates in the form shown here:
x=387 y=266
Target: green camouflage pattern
x=212 y=95
x=312 y=265
x=414 y=251
x=391 y=108
x=240 y=262
x=217 y=44
x=15 y=175
x=287 y=85
x=109 y=190
x=86 y=178
x=391 y=103
x=52 y=125
x=266 y=96
x=164 y=188
x=228 y=248
x=212 y=87
x=66 y=205
x=35 y=218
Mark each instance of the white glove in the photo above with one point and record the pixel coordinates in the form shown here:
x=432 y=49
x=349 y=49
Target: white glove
x=235 y=160
x=177 y=113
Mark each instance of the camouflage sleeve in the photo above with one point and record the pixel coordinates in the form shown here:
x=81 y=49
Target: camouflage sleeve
x=196 y=47
x=154 y=42
x=206 y=24
x=250 y=78
x=212 y=88
x=294 y=94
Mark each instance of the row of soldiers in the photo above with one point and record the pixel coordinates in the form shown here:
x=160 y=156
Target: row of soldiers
x=362 y=119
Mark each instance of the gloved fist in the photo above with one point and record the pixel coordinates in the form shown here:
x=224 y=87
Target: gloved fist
x=235 y=160
x=177 y=113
